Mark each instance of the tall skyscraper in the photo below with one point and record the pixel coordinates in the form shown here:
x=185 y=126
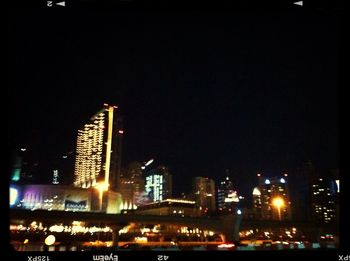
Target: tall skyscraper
x=26 y=167
x=204 y=194
x=132 y=186
x=274 y=196
x=61 y=168
x=16 y=168
x=324 y=199
x=301 y=181
x=227 y=198
x=98 y=150
x=159 y=184
x=257 y=203
x=335 y=177
x=116 y=156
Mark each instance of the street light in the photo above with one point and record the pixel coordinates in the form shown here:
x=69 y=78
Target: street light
x=101 y=187
x=278 y=202
x=50 y=240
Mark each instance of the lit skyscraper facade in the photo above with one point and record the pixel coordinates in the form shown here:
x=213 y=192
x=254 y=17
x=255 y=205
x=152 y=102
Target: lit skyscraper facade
x=227 y=197
x=132 y=185
x=324 y=197
x=97 y=151
x=159 y=184
x=204 y=194
x=273 y=198
x=257 y=205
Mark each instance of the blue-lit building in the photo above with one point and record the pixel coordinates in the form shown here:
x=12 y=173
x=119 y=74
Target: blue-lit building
x=158 y=184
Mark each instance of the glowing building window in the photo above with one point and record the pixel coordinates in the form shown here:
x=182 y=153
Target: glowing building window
x=256 y=192
x=13 y=196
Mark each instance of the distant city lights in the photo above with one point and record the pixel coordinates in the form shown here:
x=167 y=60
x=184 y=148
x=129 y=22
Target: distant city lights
x=180 y=201
x=267 y=181
x=232 y=197
x=229 y=245
x=74 y=229
x=50 y=240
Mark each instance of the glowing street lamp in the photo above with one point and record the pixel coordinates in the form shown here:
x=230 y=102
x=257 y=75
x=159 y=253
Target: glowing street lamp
x=50 y=240
x=278 y=202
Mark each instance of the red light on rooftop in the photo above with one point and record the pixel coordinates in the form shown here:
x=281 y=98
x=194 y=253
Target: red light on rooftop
x=120 y=131
x=105 y=104
x=258 y=174
x=115 y=107
x=285 y=174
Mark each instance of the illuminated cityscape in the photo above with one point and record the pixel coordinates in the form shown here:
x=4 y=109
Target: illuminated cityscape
x=145 y=192
x=174 y=132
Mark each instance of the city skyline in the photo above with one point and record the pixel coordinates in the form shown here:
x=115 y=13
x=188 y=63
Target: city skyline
x=185 y=130
x=199 y=97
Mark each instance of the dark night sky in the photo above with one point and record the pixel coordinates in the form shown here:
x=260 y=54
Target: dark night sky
x=200 y=92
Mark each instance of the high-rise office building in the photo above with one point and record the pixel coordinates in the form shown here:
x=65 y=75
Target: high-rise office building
x=132 y=186
x=61 y=168
x=301 y=182
x=324 y=199
x=204 y=194
x=335 y=177
x=26 y=168
x=98 y=150
x=116 y=157
x=159 y=184
x=273 y=195
x=227 y=198
x=257 y=204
